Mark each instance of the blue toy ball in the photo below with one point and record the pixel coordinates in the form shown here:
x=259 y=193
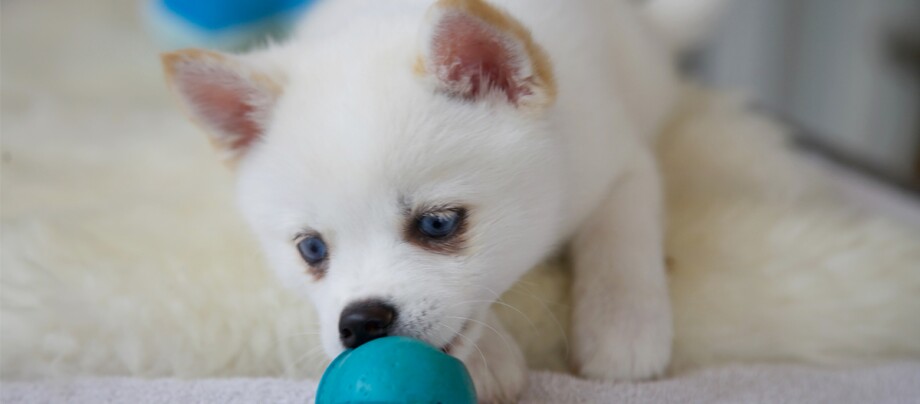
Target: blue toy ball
x=396 y=370
x=221 y=24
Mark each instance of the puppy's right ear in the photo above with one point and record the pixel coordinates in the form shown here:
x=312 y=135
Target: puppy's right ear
x=225 y=94
x=472 y=50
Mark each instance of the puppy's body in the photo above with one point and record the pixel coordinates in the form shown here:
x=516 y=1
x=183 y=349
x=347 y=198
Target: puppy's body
x=378 y=116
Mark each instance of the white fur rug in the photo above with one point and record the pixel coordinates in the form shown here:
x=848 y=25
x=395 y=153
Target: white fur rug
x=121 y=253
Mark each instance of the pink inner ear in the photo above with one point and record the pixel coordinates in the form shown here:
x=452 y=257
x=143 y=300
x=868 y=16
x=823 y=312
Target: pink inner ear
x=224 y=101
x=472 y=58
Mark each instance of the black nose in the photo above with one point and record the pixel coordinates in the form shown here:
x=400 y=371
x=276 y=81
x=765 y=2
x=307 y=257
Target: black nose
x=364 y=321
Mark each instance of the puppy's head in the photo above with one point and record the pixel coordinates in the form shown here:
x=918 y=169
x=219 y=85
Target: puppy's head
x=400 y=186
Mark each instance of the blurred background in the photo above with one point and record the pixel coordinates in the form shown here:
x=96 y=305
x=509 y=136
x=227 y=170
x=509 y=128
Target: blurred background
x=844 y=73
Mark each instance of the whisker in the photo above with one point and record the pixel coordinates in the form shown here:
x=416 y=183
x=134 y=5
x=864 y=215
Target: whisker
x=500 y=335
x=529 y=293
x=285 y=338
x=565 y=338
x=309 y=355
x=446 y=340
x=299 y=334
x=475 y=345
x=535 y=296
x=502 y=303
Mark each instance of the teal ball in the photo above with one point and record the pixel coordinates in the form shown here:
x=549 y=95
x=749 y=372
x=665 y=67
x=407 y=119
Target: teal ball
x=396 y=370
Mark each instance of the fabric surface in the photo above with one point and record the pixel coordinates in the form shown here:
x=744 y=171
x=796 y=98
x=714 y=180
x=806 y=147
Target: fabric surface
x=897 y=383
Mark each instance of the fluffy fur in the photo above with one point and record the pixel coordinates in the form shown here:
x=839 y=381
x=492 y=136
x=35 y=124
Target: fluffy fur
x=534 y=118
x=104 y=272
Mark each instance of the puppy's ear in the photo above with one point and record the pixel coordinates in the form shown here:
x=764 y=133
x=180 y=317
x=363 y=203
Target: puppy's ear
x=473 y=51
x=225 y=94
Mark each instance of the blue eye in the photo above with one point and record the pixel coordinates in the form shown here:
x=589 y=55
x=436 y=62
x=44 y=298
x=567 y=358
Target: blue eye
x=312 y=249
x=439 y=225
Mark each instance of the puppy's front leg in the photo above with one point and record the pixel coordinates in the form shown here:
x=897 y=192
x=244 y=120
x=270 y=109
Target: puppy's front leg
x=497 y=367
x=622 y=314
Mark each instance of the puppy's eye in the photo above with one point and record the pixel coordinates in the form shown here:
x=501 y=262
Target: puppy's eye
x=439 y=225
x=312 y=249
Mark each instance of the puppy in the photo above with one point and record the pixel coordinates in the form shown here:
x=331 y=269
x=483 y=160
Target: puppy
x=403 y=163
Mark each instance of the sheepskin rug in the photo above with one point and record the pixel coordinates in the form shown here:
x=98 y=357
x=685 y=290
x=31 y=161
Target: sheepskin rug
x=121 y=252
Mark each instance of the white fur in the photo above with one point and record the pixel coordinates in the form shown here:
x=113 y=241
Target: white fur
x=357 y=139
x=144 y=269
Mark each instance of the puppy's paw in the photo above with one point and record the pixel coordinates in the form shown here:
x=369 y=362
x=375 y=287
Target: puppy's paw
x=498 y=368
x=626 y=350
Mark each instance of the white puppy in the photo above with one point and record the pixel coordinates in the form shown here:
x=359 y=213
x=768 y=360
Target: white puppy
x=403 y=163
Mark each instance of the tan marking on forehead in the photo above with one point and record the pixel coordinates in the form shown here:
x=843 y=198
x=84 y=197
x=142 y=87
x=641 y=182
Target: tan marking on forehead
x=419 y=66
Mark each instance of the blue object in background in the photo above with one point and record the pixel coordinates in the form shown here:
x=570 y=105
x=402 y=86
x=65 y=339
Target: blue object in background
x=221 y=24
x=396 y=370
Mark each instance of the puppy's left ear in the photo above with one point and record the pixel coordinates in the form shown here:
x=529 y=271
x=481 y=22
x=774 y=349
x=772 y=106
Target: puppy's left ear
x=229 y=96
x=474 y=51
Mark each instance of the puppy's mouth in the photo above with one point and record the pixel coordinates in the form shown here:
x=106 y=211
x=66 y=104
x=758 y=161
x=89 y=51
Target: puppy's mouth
x=457 y=341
